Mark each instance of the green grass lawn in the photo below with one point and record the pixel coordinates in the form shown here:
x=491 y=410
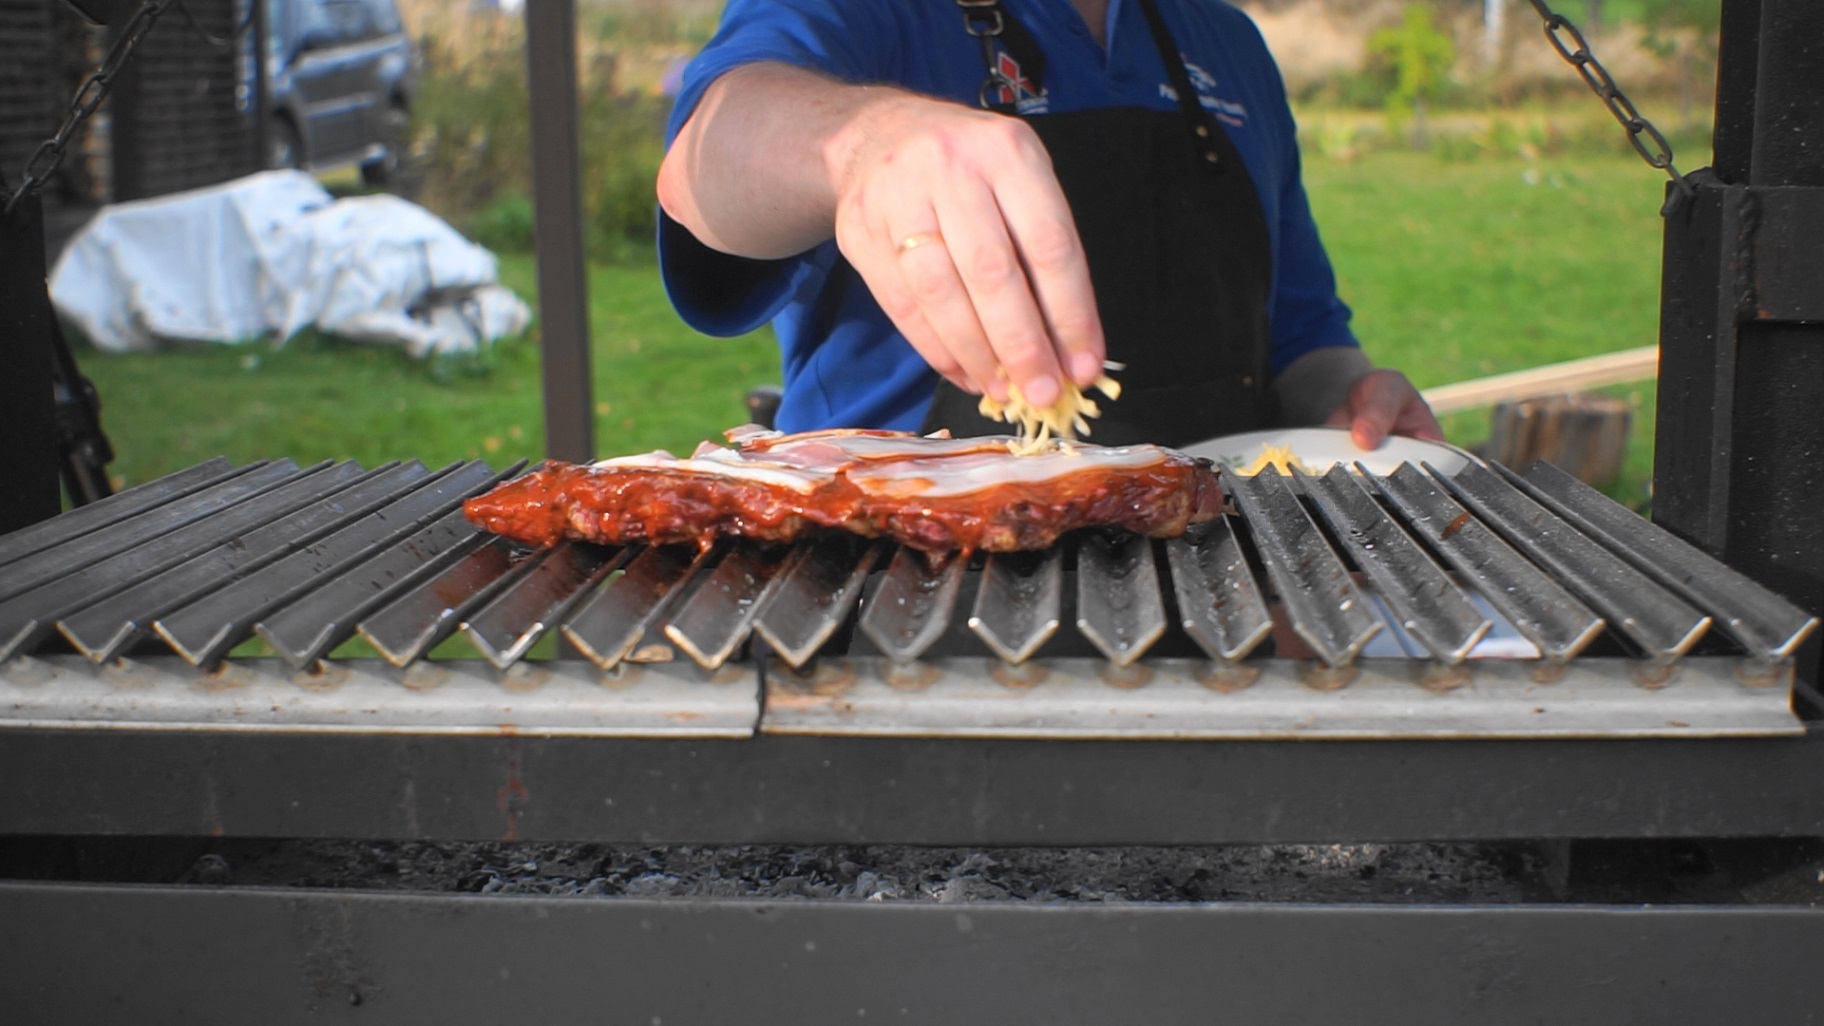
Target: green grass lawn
x=1456 y=271
x=1462 y=270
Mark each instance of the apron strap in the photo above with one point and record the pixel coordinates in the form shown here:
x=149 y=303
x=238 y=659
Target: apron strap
x=986 y=21
x=1203 y=126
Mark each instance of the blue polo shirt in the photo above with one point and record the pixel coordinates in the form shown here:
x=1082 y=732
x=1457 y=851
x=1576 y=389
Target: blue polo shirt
x=844 y=363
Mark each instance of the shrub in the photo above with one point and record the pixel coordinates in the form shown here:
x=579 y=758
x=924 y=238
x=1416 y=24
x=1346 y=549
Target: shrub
x=473 y=138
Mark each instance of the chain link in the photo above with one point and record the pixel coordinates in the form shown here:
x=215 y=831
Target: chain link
x=93 y=90
x=1570 y=43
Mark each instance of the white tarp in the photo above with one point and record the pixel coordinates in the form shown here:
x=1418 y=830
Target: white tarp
x=263 y=257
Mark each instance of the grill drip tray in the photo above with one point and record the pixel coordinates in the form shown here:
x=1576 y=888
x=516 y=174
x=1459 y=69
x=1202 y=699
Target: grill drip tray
x=1479 y=603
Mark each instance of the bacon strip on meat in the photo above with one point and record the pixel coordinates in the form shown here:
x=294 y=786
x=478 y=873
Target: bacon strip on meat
x=933 y=494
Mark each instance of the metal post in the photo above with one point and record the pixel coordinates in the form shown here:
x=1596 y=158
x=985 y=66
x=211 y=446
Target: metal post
x=1741 y=408
x=259 y=34
x=563 y=297
x=28 y=456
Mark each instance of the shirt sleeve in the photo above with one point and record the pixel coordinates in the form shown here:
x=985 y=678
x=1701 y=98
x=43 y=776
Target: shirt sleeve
x=1307 y=313
x=714 y=292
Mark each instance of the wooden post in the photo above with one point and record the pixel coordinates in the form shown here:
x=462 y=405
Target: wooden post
x=1586 y=435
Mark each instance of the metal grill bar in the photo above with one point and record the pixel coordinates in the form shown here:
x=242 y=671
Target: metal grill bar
x=110 y=510
x=914 y=604
x=432 y=610
x=1016 y=609
x=25 y=619
x=1537 y=606
x=614 y=619
x=34 y=570
x=1324 y=604
x=816 y=597
x=204 y=630
x=1119 y=607
x=717 y=617
x=1662 y=624
x=306 y=630
x=1219 y=604
x=104 y=630
x=1765 y=624
x=536 y=601
x=1427 y=603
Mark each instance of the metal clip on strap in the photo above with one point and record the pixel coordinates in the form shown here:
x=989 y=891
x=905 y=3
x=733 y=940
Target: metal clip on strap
x=983 y=20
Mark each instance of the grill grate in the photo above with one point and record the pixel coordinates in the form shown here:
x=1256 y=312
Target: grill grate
x=1372 y=588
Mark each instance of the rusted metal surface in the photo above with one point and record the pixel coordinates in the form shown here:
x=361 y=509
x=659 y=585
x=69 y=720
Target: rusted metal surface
x=1284 y=699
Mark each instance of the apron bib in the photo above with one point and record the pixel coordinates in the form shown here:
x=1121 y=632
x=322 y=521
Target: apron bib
x=1179 y=257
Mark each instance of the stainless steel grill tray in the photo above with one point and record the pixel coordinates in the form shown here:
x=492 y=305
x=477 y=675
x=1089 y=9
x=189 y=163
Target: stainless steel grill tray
x=1417 y=603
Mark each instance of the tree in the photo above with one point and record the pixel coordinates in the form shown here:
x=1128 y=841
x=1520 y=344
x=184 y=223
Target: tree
x=1420 y=56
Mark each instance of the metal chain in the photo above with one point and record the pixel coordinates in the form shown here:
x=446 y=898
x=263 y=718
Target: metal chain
x=94 y=89
x=1558 y=29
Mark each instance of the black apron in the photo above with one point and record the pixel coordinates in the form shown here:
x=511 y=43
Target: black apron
x=1178 y=254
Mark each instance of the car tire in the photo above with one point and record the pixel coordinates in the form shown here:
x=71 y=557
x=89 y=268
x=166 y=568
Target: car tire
x=284 y=148
x=388 y=171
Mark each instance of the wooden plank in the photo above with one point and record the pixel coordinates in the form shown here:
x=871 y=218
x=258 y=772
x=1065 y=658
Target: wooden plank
x=1571 y=376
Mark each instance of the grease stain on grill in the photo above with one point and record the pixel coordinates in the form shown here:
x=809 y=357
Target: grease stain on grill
x=424 y=676
x=1319 y=676
x=1018 y=676
x=1132 y=677
x=1457 y=523
x=524 y=676
x=323 y=678
x=911 y=677
x=1441 y=679
x=1654 y=676
x=1228 y=679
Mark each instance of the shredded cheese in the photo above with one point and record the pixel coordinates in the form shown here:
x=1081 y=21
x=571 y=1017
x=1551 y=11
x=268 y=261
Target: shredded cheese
x=1037 y=429
x=1278 y=458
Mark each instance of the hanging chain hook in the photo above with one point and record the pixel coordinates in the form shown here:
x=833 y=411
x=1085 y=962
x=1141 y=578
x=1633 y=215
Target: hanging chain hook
x=94 y=89
x=1571 y=44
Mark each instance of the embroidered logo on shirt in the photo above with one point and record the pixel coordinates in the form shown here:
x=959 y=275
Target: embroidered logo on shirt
x=1229 y=112
x=1017 y=89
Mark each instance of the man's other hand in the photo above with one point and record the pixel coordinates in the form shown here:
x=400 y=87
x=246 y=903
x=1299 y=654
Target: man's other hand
x=1381 y=403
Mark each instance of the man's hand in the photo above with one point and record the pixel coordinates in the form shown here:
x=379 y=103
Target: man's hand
x=952 y=216
x=1381 y=403
x=955 y=220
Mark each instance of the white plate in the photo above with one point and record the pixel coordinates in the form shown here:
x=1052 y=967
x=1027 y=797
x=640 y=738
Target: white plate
x=1319 y=449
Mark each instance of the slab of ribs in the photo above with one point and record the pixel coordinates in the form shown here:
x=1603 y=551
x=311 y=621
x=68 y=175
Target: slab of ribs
x=934 y=494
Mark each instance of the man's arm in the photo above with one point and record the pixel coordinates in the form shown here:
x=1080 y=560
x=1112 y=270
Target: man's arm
x=952 y=216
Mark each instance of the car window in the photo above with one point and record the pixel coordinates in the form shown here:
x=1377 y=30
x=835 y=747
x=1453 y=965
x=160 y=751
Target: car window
x=332 y=22
x=385 y=16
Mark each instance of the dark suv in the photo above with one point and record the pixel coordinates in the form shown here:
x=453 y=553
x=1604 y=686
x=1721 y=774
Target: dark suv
x=341 y=75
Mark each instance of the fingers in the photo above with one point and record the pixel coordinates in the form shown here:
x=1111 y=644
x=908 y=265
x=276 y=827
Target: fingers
x=1055 y=276
x=1384 y=402
x=968 y=244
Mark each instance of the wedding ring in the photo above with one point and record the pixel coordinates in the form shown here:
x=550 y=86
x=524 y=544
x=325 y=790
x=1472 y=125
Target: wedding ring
x=912 y=242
